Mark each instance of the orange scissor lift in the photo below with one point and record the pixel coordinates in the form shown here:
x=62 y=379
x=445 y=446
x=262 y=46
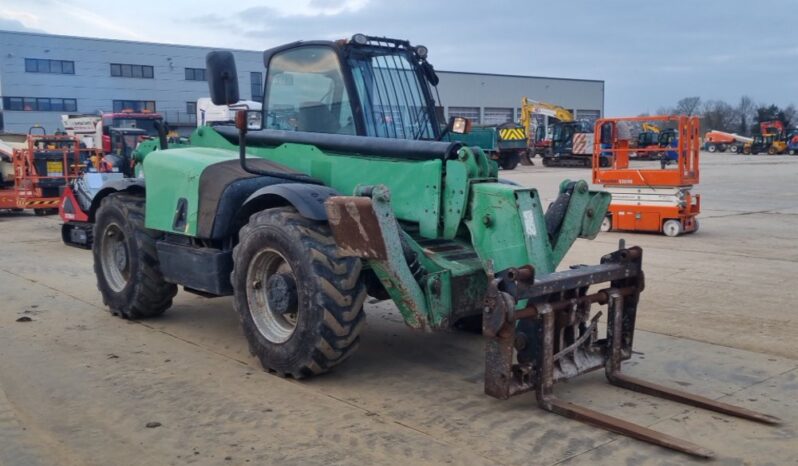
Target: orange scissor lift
x=649 y=198
x=41 y=167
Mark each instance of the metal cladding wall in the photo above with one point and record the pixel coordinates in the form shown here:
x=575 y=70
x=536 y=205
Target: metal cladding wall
x=484 y=97
x=92 y=84
x=491 y=91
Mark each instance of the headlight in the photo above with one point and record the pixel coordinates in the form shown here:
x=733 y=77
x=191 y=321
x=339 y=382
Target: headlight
x=422 y=51
x=360 y=39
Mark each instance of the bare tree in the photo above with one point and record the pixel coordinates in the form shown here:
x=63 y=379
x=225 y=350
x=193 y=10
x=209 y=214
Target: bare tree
x=790 y=114
x=746 y=112
x=688 y=106
x=718 y=115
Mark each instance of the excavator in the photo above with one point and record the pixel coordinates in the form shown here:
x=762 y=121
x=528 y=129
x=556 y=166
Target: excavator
x=647 y=137
x=537 y=142
x=571 y=142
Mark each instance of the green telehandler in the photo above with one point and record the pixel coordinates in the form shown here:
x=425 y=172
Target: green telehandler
x=349 y=186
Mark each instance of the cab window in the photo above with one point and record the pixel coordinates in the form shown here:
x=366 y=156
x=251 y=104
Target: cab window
x=305 y=92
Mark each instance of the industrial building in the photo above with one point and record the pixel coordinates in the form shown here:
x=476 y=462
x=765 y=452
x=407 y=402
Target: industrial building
x=43 y=76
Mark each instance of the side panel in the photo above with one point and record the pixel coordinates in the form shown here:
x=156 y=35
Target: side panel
x=172 y=175
x=415 y=186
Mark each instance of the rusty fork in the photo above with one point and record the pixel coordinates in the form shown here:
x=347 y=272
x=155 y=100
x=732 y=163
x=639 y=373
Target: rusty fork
x=556 y=359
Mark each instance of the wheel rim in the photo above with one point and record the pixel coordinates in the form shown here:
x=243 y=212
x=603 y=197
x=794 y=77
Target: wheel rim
x=275 y=325
x=115 y=258
x=671 y=228
x=606 y=224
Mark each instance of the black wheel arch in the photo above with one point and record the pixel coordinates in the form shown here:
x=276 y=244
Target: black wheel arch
x=131 y=185
x=308 y=199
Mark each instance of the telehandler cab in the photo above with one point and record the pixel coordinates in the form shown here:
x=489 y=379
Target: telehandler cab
x=353 y=188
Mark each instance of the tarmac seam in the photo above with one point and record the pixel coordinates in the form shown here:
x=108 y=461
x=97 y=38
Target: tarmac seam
x=707 y=342
x=406 y=426
x=713 y=253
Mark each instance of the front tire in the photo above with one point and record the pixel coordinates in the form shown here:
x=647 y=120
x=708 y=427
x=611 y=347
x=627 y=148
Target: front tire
x=300 y=304
x=672 y=228
x=126 y=261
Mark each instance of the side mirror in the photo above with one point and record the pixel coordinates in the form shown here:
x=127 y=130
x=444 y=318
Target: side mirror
x=222 y=77
x=460 y=125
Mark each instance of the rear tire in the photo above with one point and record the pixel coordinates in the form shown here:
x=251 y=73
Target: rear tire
x=316 y=324
x=510 y=161
x=126 y=261
x=771 y=151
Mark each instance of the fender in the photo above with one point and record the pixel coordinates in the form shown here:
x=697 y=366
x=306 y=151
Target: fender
x=308 y=199
x=135 y=185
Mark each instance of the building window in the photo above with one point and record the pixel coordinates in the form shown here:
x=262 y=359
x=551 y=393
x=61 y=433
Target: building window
x=591 y=115
x=191 y=108
x=121 y=70
x=498 y=116
x=40 y=104
x=134 y=106
x=195 y=74
x=472 y=113
x=256 y=85
x=41 y=65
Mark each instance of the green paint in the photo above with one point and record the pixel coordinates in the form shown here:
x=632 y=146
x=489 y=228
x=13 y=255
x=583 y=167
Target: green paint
x=463 y=205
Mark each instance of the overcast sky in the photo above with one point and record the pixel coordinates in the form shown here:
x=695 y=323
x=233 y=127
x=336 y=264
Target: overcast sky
x=649 y=53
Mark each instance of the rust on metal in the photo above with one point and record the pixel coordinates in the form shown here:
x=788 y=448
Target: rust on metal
x=566 y=343
x=355 y=227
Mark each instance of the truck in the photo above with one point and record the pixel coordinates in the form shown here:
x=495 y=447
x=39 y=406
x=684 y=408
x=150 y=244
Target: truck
x=506 y=144
x=94 y=131
x=210 y=114
x=337 y=197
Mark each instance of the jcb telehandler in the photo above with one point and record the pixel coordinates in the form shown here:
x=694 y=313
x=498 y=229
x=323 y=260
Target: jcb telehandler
x=353 y=188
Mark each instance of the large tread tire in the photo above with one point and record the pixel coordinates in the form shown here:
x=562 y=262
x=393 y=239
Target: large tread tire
x=146 y=293
x=330 y=293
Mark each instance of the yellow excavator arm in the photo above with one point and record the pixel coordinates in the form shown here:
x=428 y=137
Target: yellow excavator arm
x=531 y=107
x=651 y=127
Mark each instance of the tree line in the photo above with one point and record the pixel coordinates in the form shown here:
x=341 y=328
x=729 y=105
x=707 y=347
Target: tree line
x=742 y=118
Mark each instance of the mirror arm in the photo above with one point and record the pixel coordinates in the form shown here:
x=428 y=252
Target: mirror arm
x=241 y=124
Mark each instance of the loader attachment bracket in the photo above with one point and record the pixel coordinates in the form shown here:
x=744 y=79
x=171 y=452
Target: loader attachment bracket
x=555 y=337
x=365 y=226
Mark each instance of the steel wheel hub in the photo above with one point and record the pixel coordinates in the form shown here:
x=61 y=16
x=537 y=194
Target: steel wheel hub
x=272 y=296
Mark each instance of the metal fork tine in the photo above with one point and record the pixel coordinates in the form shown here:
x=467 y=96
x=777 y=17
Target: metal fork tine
x=642 y=386
x=614 y=424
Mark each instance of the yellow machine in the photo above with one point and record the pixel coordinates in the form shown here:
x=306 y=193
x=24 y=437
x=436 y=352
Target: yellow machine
x=537 y=142
x=652 y=128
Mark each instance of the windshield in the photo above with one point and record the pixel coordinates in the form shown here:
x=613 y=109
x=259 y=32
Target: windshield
x=147 y=124
x=392 y=95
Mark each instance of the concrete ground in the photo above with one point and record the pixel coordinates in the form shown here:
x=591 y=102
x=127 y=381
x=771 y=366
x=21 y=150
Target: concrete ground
x=78 y=386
